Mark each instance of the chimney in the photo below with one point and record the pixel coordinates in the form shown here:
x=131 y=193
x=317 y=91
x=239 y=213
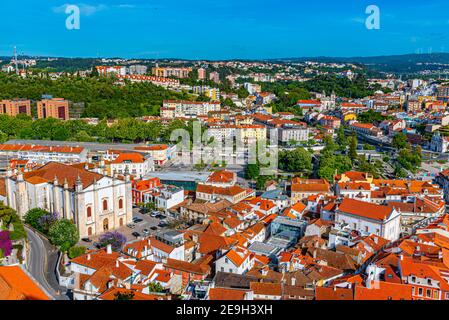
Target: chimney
x=314 y=254
x=293 y=281
x=109 y=249
x=116 y=263
x=401 y=257
x=88 y=257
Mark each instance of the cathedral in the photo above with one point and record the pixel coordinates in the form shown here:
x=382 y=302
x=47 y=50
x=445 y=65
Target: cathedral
x=94 y=202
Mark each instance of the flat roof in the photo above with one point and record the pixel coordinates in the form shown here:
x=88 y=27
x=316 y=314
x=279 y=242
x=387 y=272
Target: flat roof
x=186 y=176
x=263 y=248
x=289 y=222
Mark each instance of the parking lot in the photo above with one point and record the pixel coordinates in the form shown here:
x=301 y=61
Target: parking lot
x=147 y=222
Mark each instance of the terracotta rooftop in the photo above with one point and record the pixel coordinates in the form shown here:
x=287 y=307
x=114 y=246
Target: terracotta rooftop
x=365 y=209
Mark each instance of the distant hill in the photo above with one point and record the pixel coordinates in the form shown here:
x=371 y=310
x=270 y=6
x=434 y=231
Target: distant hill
x=402 y=64
x=407 y=63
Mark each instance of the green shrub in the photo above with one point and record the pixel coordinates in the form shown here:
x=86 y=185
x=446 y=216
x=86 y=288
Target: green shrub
x=76 y=251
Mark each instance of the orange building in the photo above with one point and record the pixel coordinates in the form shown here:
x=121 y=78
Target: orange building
x=14 y=107
x=53 y=108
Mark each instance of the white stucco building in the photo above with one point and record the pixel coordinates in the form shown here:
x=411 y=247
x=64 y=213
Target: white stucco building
x=384 y=221
x=96 y=203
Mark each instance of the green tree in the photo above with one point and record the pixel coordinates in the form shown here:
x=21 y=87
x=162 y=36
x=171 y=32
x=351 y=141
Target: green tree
x=129 y=295
x=341 y=140
x=9 y=218
x=400 y=141
x=33 y=216
x=64 y=234
x=155 y=287
x=298 y=160
x=252 y=171
x=76 y=251
x=353 y=147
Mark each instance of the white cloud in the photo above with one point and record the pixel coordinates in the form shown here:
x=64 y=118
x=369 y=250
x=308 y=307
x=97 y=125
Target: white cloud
x=85 y=9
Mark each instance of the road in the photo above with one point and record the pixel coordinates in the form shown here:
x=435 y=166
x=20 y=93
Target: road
x=41 y=263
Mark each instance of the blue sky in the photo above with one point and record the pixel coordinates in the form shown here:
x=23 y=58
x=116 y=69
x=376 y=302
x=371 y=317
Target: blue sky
x=223 y=29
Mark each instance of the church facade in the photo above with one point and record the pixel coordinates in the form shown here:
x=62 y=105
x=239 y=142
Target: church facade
x=94 y=202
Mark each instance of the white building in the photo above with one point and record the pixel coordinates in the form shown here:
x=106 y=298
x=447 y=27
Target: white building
x=237 y=260
x=188 y=109
x=168 y=197
x=44 y=154
x=96 y=203
x=383 y=221
x=134 y=163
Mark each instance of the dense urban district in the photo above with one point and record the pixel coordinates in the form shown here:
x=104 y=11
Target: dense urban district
x=98 y=202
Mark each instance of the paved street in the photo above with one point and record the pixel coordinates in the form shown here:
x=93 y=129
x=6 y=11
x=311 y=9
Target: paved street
x=41 y=263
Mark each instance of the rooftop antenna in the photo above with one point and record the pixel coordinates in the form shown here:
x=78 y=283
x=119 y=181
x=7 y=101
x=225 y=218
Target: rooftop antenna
x=15 y=60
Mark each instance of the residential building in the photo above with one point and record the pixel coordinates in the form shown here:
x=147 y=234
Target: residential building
x=15 y=107
x=303 y=188
x=57 y=108
x=42 y=154
x=237 y=260
x=232 y=194
x=133 y=163
x=161 y=153
x=187 y=109
x=171 y=72
x=384 y=221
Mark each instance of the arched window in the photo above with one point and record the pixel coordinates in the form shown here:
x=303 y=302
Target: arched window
x=105 y=205
x=120 y=204
x=89 y=212
x=105 y=224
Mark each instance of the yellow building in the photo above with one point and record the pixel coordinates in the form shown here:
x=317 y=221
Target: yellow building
x=213 y=94
x=349 y=116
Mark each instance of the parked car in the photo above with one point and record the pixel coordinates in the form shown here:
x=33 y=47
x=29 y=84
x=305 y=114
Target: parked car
x=162 y=224
x=145 y=232
x=154 y=228
x=131 y=225
x=88 y=240
x=137 y=220
x=136 y=234
x=154 y=214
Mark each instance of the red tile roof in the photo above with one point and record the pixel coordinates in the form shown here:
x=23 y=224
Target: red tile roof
x=365 y=209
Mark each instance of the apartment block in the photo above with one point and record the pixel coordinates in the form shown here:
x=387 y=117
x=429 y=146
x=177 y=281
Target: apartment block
x=188 y=109
x=53 y=108
x=15 y=107
x=171 y=72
